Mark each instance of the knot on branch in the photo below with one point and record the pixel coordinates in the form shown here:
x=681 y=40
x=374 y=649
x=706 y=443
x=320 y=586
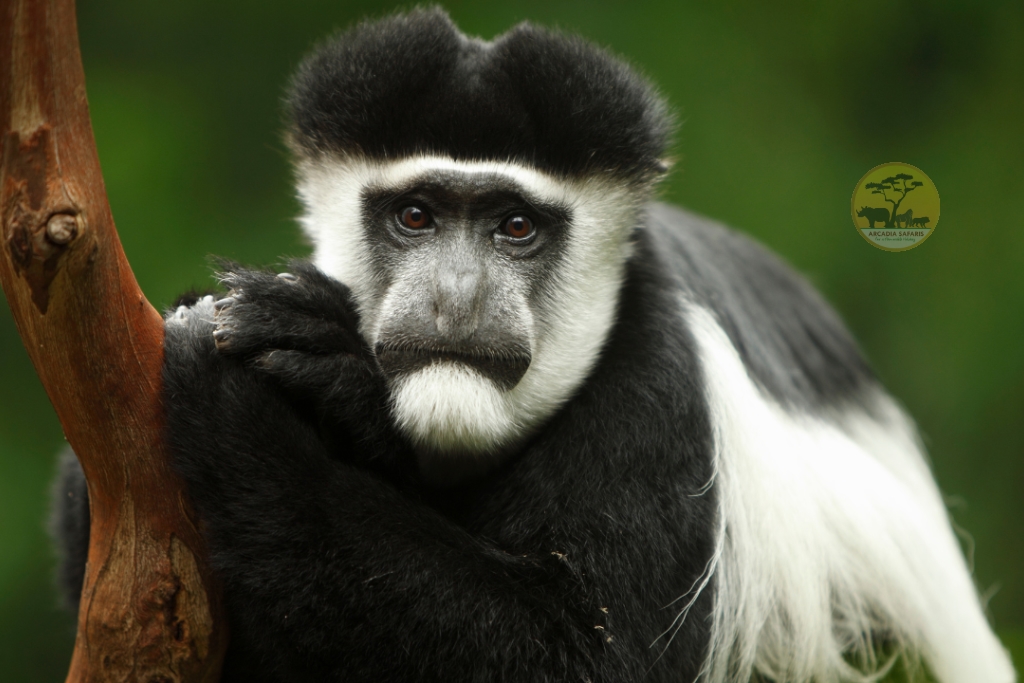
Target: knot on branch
x=61 y=228
x=39 y=218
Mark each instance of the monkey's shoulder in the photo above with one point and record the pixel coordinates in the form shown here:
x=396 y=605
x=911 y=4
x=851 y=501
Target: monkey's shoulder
x=791 y=340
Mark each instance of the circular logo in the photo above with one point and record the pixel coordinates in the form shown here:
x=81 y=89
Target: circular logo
x=895 y=206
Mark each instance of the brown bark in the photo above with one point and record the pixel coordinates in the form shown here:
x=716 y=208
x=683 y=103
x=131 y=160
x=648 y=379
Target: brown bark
x=150 y=608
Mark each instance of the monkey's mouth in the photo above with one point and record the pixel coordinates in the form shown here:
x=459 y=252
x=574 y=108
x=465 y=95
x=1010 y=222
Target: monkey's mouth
x=504 y=366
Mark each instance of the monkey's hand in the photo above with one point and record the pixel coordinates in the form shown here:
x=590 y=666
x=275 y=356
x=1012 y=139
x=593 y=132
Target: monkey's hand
x=303 y=310
x=301 y=328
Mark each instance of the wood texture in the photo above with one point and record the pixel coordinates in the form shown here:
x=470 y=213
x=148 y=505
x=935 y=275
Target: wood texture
x=150 y=608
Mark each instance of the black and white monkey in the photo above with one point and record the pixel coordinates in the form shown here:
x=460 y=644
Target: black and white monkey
x=519 y=422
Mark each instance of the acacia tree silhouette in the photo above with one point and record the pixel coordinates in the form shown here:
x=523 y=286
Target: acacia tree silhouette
x=898 y=184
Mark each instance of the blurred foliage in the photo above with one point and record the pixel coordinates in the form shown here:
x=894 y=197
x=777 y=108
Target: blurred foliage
x=784 y=106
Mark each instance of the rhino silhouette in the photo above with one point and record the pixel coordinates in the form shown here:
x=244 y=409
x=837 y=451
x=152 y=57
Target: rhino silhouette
x=874 y=215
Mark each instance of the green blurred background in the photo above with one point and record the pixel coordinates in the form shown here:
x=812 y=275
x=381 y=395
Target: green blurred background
x=784 y=107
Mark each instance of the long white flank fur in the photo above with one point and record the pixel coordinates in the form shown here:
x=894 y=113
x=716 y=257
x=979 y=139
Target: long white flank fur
x=567 y=333
x=833 y=529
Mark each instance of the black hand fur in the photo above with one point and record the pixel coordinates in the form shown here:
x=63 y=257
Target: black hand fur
x=301 y=328
x=556 y=568
x=303 y=310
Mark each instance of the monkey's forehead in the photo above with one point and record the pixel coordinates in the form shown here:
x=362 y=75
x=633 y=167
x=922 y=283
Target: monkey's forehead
x=413 y=84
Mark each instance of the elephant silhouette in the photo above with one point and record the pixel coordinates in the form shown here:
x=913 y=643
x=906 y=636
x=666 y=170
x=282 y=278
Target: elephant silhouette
x=874 y=215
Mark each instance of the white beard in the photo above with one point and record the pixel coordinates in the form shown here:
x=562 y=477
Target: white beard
x=452 y=409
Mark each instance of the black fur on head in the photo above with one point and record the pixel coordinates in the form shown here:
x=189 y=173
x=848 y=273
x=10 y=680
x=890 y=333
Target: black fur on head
x=414 y=84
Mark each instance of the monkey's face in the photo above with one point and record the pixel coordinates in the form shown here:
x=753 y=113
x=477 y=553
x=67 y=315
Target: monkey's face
x=485 y=289
x=461 y=258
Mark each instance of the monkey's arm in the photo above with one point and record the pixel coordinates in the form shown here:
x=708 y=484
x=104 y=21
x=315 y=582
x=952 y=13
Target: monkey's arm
x=330 y=571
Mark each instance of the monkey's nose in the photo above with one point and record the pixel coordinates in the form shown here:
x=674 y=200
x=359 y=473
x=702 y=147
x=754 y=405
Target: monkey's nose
x=457 y=298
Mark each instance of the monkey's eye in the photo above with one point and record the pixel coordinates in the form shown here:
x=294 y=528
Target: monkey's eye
x=414 y=217
x=519 y=227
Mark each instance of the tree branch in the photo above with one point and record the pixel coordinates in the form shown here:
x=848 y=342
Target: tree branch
x=150 y=607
